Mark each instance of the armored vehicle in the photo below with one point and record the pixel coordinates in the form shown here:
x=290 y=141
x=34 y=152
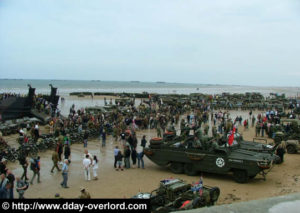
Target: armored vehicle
x=175 y=194
x=208 y=156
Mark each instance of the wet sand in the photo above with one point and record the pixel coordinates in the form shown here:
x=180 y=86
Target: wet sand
x=82 y=102
x=282 y=179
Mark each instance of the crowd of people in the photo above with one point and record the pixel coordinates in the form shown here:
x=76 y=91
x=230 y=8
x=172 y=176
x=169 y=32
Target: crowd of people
x=4 y=96
x=122 y=124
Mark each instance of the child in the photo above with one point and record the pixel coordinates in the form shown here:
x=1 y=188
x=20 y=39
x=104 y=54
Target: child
x=119 y=161
x=95 y=167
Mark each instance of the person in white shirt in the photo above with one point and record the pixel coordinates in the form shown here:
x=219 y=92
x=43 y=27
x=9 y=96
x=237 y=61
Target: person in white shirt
x=86 y=167
x=95 y=167
x=86 y=152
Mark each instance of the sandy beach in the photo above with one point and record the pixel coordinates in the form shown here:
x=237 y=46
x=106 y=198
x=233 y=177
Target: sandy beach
x=185 y=58
x=282 y=179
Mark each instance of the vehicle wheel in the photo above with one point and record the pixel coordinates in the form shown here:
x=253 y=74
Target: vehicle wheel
x=176 y=168
x=291 y=149
x=240 y=176
x=189 y=169
x=16 y=156
x=214 y=194
x=12 y=158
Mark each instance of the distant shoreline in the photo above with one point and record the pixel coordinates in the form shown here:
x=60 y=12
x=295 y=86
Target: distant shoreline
x=150 y=82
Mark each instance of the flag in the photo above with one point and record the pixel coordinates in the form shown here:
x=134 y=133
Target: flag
x=231 y=137
x=201 y=192
x=200 y=186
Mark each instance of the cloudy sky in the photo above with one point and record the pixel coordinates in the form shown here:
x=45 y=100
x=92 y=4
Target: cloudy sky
x=253 y=42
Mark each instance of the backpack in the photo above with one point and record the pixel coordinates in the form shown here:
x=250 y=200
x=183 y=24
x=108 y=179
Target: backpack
x=34 y=164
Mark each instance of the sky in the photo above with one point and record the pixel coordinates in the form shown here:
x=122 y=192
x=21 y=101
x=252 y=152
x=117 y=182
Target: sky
x=251 y=42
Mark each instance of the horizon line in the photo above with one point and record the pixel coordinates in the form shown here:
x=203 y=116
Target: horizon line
x=138 y=81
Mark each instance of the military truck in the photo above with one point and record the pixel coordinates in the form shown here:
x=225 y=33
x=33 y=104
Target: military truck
x=175 y=194
x=182 y=157
x=292 y=138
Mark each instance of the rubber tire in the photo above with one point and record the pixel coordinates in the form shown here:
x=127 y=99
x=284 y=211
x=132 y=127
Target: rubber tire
x=16 y=156
x=291 y=149
x=189 y=169
x=240 y=176
x=12 y=159
x=176 y=168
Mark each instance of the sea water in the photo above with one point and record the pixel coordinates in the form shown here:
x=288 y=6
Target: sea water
x=65 y=87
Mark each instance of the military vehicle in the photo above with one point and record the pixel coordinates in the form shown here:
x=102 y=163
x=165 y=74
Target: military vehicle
x=175 y=194
x=292 y=146
x=258 y=146
x=95 y=110
x=184 y=157
x=15 y=107
x=292 y=134
x=124 y=101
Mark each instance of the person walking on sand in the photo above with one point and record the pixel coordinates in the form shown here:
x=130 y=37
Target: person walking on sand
x=133 y=157
x=140 y=159
x=127 y=157
x=119 y=161
x=144 y=142
x=86 y=152
x=86 y=167
x=85 y=138
x=21 y=186
x=67 y=152
x=65 y=171
x=11 y=179
x=116 y=151
x=59 y=149
x=158 y=132
x=35 y=166
x=4 y=191
x=280 y=151
x=257 y=129
x=95 y=167
x=262 y=126
x=103 y=138
x=55 y=161
x=24 y=163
